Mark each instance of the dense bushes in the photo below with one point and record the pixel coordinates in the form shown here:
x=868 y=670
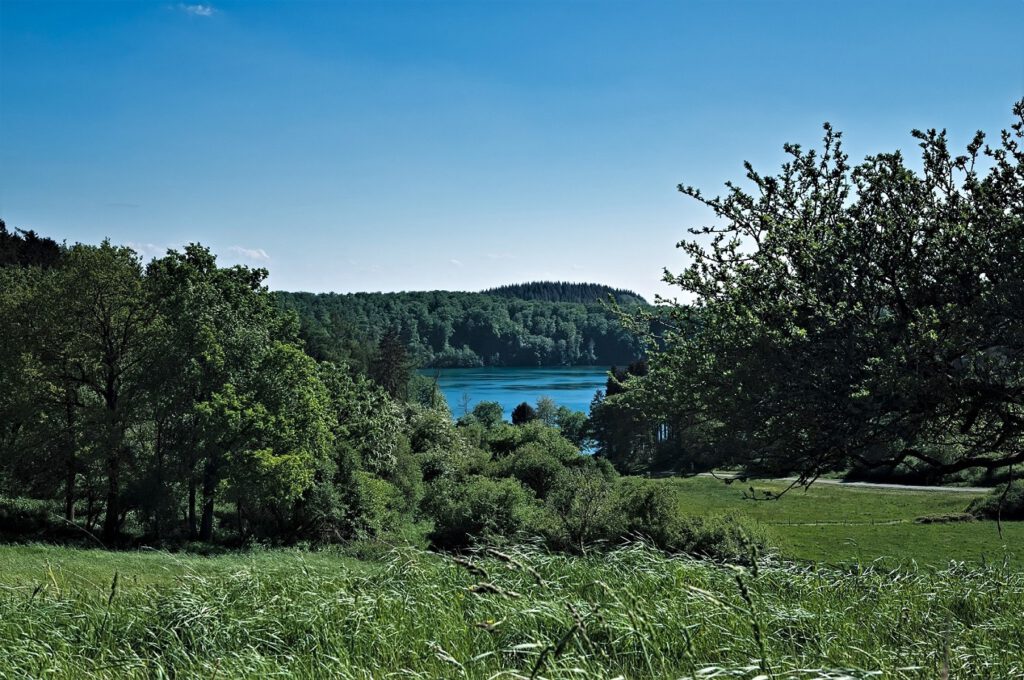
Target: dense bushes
x=478 y=508
x=598 y=509
x=513 y=482
x=25 y=517
x=1001 y=503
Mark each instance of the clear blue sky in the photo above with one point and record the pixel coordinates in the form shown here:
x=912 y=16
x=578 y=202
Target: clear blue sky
x=401 y=146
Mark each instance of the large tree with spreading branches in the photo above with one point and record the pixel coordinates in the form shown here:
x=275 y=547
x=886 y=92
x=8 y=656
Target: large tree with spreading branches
x=839 y=316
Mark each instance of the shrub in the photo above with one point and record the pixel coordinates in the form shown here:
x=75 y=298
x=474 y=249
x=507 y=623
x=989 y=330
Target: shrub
x=505 y=439
x=589 y=509
x=719 y=537
x=438 y=463
x=988 y=507
x=23 y=516
x=28 y=518
x=408 y=478
x=477 y=508
x=582 y=511
x=534 y=467
x=651 y=510
x=381 y=505
x=432 y=429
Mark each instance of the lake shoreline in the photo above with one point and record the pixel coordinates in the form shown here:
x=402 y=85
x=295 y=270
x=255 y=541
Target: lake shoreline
x=571 y=386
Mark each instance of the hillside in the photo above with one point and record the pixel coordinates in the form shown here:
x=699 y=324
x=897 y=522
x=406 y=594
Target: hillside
x=448 y=329
x=564 y=291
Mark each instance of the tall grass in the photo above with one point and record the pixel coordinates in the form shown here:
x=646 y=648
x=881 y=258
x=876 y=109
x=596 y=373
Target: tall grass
x=518 y=614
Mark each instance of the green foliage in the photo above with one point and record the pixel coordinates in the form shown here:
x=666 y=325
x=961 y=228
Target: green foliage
x=563 y=291
x=845 y=315
x=582 y=511
x=391 y=367
x=21 y=517
x=652 y=510
x=424 y=391
x=523 y=413
x=175 y=401
x=488 y=413
x=461 y=329
x=27 y=248
x=382 y=507
x=504 y=439
x=591 y=508
x=574 y=426
x=478 y=508
x=535 y=468
x=1002 y=503
x=546 y=411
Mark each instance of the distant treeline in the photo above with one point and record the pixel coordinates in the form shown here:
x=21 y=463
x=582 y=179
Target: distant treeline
x=451 y=329
x=26 y=248
x=174 y=401
x=564 y=291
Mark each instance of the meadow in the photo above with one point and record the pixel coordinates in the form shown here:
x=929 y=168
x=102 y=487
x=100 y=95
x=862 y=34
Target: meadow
x=513 y=613
x=918 y=602
x=839 y=524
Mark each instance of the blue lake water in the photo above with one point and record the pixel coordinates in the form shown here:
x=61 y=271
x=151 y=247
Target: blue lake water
x=570 y=386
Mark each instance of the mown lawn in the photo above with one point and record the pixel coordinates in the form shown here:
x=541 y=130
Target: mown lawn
x=839 y=524
x=520 y=613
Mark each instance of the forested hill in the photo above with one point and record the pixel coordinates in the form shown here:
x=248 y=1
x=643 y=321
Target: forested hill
x=564 y=291
x=444 y=329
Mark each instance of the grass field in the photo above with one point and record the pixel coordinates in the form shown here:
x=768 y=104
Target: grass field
x=633 y=613
x=900 y=600
x=839 y=524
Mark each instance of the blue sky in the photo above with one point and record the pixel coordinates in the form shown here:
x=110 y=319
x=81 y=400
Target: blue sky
x=459 y=145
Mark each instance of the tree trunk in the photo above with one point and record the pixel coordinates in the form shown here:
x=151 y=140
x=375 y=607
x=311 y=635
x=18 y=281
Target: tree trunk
x=70 y=461
x=160 y=493
x=112 y=517
x=238 y=509
x=69 y=489
x=192 y=529
x=90 y=511
x=209 y=491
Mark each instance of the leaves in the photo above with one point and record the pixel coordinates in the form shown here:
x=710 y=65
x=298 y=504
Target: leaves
x=854 y=315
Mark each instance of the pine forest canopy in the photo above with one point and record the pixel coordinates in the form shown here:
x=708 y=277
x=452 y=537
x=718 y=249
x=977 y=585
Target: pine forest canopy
x=458 y=329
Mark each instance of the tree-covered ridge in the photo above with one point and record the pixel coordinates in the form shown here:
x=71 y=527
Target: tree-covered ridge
x=566 y=291
x=442 y=328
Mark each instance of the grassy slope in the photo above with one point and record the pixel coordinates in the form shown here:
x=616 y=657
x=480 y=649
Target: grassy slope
x=855 y=524
x=633 y=613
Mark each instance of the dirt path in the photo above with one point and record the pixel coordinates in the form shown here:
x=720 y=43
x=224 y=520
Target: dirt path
x=874 y=485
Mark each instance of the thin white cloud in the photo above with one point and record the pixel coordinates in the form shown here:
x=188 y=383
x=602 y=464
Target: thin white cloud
x=197 y=10
x=148 y=250
x=456 y=263
x=255 y=254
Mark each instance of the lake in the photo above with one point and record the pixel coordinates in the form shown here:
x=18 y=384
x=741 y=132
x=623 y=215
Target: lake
x=569 y=386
